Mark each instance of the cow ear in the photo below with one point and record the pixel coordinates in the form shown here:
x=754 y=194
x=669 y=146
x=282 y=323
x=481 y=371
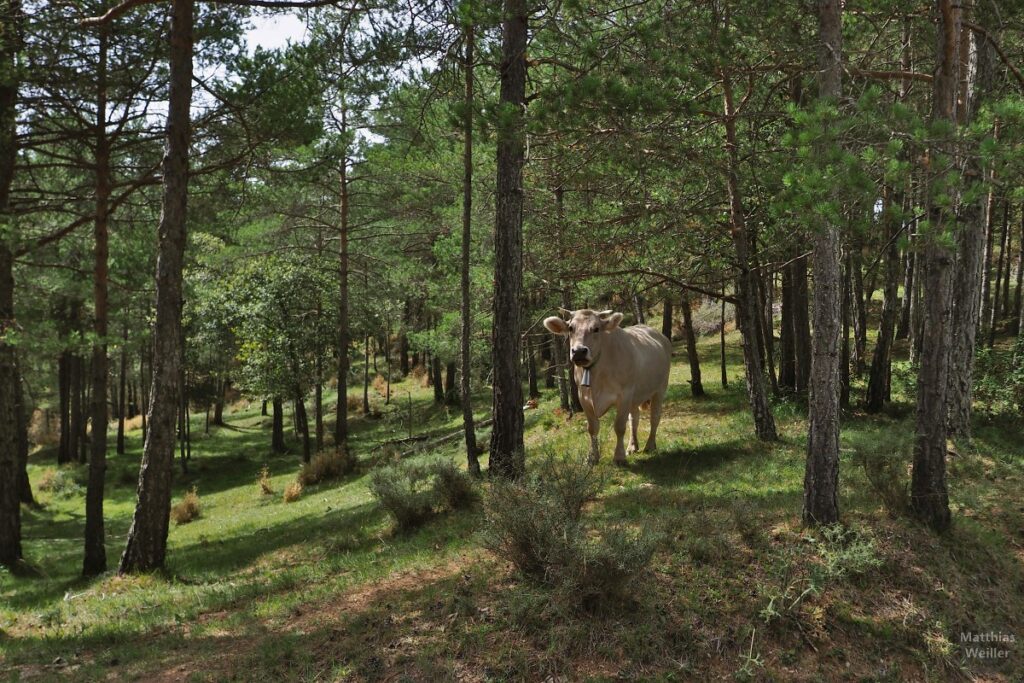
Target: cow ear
x=612 y=322
x=556 y=325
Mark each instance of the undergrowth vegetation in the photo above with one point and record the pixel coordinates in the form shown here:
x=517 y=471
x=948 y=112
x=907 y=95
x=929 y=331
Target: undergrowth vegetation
x=687 y=564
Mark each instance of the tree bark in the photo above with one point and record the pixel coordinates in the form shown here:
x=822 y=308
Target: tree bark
x=801 y=324
x=666 y=318
x=531 y=369
x=844 y=363
x=696 y=387
x=721 y=333
x=860 y=319
x=1018 y=301
x=929 y=497
x=95 y=561
x=878 y=377
x=821 y=476
x=147 y=538
x=969 y=266
x=277 y=429
x=303 y=422
x=746 y=290
x=366 y=374
x=993 y=322
x=435 y=371
x=11 y=419
x=123 y=381
x=507 y=450
x=341 y=424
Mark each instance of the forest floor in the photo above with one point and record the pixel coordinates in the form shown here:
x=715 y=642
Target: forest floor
x=321 y=589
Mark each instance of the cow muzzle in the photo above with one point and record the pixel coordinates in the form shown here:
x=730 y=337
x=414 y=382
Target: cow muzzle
x=580 y=356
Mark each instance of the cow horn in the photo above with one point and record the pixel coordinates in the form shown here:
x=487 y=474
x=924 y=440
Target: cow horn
x=603 y=314
x=565 y=310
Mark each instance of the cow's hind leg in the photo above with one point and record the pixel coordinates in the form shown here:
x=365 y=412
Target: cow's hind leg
x=620 y=431
x=634 y=421
x=656 y=402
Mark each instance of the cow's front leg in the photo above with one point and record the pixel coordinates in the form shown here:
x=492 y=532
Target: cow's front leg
x=593 y=426
x=620 y=431
x=634 y=420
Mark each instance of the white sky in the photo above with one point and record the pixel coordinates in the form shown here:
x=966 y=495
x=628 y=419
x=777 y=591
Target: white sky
x=276 y=31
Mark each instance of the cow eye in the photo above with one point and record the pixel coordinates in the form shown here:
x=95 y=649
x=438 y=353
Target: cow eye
x=572 y=328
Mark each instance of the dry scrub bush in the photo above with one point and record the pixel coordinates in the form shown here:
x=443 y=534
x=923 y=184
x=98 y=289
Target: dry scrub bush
x=327 y=465
x=453 y=485
x=380 y=385
x=64 y=482
x=411 y=492
x=188 y=509
x=354 y=404
x=404 y=491
x=264 y=481
x=537 y=524
x=292 y=492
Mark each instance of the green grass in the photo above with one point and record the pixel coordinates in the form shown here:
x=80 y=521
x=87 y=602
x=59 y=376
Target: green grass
x=321 y=589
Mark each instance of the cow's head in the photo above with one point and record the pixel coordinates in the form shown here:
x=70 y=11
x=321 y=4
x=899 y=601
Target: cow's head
x=585 y=329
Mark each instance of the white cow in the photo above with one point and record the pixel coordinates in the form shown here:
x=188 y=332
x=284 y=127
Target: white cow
x=615 y=366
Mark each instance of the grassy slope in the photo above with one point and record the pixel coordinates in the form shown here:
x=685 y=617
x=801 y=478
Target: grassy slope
x=320 y=589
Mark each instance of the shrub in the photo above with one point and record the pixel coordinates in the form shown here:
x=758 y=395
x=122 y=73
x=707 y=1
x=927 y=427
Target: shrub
x=452 y=485
x=264 y=481
x=847 y=552
x=63 y=482
x=886 y=473
x=380 y=385
x=188 y=509
x=404 y=491
x=292 y=492
x=354 y=403
x=537 y=525
x=327 y=465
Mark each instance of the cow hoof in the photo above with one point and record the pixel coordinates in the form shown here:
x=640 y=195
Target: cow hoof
x=631 y=449
x=650 y=448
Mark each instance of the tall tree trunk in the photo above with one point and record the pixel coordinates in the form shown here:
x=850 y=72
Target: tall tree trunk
x=801 y=324
x=969 y=266
x=557 y=351
x=929 y=497
x=531 y=369
x=1008 y=248
x=574 y=394
x=218 y=403
x=986 y=277
x=277 y=427
x=64 y=453
x=143 y=383
x=450 y=395
x=507 y=454
x=878 y=378
x=11 y=22
x=303 y=422
x=147 y=537
x=844 y=361
x=787 y=332
x=465 y=304
x=123 y=381
x=77 y=413
x=666 y=318
x=1019 y=296
x=435 y=371
x=95 y=561
x=721 y=344
x=860 y=319
x=746 y=290
x=903 y=328
x=993 y=322
x=341 y=425
x=821 y=476
x=696 y=387
x=366 y=374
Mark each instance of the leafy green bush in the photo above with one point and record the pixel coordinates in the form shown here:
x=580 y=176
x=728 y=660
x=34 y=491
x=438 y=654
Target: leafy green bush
x=999 y=378
x=405 y=492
